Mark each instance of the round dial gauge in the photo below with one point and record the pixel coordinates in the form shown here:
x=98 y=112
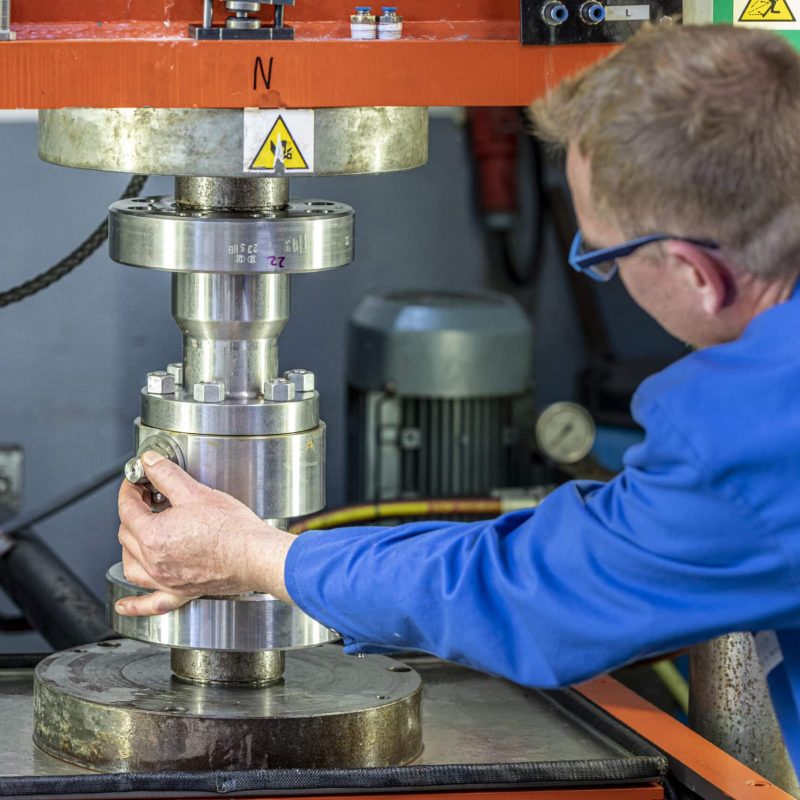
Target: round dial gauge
x=565 y=433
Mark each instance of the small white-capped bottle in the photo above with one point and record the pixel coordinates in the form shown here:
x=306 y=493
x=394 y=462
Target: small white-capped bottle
x=363 y=24
x=390 y=24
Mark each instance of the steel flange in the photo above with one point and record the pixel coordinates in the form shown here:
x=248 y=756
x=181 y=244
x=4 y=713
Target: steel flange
x=246 y=623
x=156 y=232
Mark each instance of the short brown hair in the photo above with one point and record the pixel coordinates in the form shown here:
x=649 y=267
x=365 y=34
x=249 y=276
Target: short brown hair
x=693 y=131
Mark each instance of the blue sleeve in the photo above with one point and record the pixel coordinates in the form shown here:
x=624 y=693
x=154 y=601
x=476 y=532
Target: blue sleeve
x=663 y=556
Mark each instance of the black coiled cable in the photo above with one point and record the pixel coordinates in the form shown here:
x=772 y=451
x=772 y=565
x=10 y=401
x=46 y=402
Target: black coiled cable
x=74 y=259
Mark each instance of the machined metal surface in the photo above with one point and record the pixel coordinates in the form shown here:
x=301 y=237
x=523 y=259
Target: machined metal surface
x=225 y=668
x=230 y=326
x=469 y=718
x=257 y=417
x=441 y=344
x=209 y=142
x=119 y=708
x=731 y=707
x=247 y=623
x=155 y=232
x=275 y=476
x=232 y=194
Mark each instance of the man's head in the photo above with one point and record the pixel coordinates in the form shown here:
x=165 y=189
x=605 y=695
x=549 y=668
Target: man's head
x=694 y=132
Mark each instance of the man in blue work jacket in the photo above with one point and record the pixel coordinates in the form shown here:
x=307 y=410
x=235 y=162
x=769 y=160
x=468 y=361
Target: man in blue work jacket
x=683 y=157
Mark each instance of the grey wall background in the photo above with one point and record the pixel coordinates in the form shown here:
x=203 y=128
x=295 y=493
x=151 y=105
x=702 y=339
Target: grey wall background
x=72 y=359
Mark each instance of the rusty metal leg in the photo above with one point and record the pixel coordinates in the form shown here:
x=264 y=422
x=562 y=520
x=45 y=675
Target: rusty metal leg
x=731 y=707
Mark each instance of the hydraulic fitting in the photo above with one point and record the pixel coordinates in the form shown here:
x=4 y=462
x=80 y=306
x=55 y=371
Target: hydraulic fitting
x=592 y=12
x=363 y=24
x=302 y=379
x=555 y=13
x=390 y=24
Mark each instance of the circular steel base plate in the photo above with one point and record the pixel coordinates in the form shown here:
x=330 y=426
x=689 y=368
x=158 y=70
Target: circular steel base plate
x=116 y=707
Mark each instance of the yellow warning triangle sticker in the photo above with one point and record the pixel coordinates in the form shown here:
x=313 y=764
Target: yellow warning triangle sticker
x=280 y=148
x=767 y=11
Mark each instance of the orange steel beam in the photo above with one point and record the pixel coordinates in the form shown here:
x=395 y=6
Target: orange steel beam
x=695 y=762
x=114 y=53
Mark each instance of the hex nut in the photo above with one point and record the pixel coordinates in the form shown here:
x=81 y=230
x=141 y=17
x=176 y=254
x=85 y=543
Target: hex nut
x=279 y=390
x=134 y=471
x=160 y=383
x=209 y=392
x=176 y=370
x=302 y=379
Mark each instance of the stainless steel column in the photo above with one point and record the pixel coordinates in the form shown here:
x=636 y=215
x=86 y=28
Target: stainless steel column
x=730 y=706
x=230 y=326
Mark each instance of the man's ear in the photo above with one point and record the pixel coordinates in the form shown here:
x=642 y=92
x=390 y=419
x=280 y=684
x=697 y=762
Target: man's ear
x=705 y=275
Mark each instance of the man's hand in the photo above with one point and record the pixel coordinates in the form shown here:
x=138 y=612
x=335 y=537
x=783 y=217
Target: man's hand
x=207 y=543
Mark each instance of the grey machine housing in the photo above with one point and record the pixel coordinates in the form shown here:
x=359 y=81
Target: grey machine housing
x=440 y=394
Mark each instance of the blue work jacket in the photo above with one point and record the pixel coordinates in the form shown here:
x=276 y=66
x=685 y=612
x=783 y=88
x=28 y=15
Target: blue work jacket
x=699 y=535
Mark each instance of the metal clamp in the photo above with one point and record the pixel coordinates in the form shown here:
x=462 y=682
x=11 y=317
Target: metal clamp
x=243 y=23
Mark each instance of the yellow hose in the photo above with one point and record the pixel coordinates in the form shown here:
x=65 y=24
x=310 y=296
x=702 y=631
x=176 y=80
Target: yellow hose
x=352 y=515
x=674 y=681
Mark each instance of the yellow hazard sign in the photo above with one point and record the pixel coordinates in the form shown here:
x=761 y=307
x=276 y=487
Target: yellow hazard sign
x=766 y=11
x=280 y=147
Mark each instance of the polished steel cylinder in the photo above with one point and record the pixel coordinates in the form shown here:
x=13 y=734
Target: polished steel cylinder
x=230 y=326
x=226 y=668
x=278 y=477
x=237 y=194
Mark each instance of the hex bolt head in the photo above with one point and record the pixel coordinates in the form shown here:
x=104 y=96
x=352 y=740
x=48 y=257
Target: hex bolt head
x=160 y=383
x=134 y=471
x=302 y=379
x=279 y=390
x=176 y=370
x=209 y=392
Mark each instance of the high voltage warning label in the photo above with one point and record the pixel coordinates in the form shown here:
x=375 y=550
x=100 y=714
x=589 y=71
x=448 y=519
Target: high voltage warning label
x=278 y=142
x=766 y=11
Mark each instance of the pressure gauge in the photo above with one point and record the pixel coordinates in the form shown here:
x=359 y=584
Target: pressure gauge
x=565 y=433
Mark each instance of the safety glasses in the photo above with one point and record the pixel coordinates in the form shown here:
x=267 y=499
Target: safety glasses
x=601 y=265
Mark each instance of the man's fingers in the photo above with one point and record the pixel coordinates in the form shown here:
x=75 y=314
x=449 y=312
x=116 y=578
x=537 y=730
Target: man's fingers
x=150 y=605
x=132 y=507
x=169 y=479
x=130 y=543
x=135 y=572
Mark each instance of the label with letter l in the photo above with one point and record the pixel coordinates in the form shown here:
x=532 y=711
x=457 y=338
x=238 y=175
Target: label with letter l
x=278 y=141
x=638 y=13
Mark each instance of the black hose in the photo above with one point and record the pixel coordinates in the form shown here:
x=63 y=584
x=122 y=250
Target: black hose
x=21 y=660
x=17 y=624
x=64 y=501
x=500 y=242
x=73 y=260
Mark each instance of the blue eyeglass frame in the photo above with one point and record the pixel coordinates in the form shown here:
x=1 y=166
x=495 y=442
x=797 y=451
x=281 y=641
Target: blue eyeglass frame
x=587 y=262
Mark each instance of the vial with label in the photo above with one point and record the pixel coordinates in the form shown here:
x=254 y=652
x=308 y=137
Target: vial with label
x=363 y=24
x=390 y=24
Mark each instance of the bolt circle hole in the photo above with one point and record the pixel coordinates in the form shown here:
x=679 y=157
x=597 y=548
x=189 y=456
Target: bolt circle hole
x=78 y=650
x=381 y=696
x=757 y=783
x=175 y=709
x=399 y=669
x=109 y=644
x=142 y=200
x=319 y=203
